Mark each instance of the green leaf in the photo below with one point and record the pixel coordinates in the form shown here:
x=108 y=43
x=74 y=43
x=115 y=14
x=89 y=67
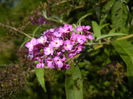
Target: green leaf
x=104 y=25
x=112 y=31
x=125 y=49
x=35 y=30
x=106 y=11
x=40 y=77
x=83 y=17
x=44 y=13
x=74 y=84
x=110 y=35
x=108 y=5
x=119 y=19
x=96 y=29
x=120 y=16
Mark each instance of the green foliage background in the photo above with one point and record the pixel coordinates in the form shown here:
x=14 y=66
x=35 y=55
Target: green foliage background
x=107 y=73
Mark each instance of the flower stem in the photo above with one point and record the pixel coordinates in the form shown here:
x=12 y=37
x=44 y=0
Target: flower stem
x=100 y=45
x=13 y=28
x=120 y=38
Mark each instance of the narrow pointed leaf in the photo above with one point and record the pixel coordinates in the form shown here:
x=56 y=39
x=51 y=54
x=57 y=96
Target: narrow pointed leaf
x=119 y=16
x=74 y=84
x=110 y=35
x=35 y=31
x=104 y=25
x=96 y=29
x=40 y=77
x=83 y=17
x=112 y=30
x=125 y=49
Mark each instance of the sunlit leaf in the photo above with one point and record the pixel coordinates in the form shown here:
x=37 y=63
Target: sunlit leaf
x=110 y=35
x=96 y=29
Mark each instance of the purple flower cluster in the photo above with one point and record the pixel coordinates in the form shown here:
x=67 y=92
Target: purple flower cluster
x=56 y=45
